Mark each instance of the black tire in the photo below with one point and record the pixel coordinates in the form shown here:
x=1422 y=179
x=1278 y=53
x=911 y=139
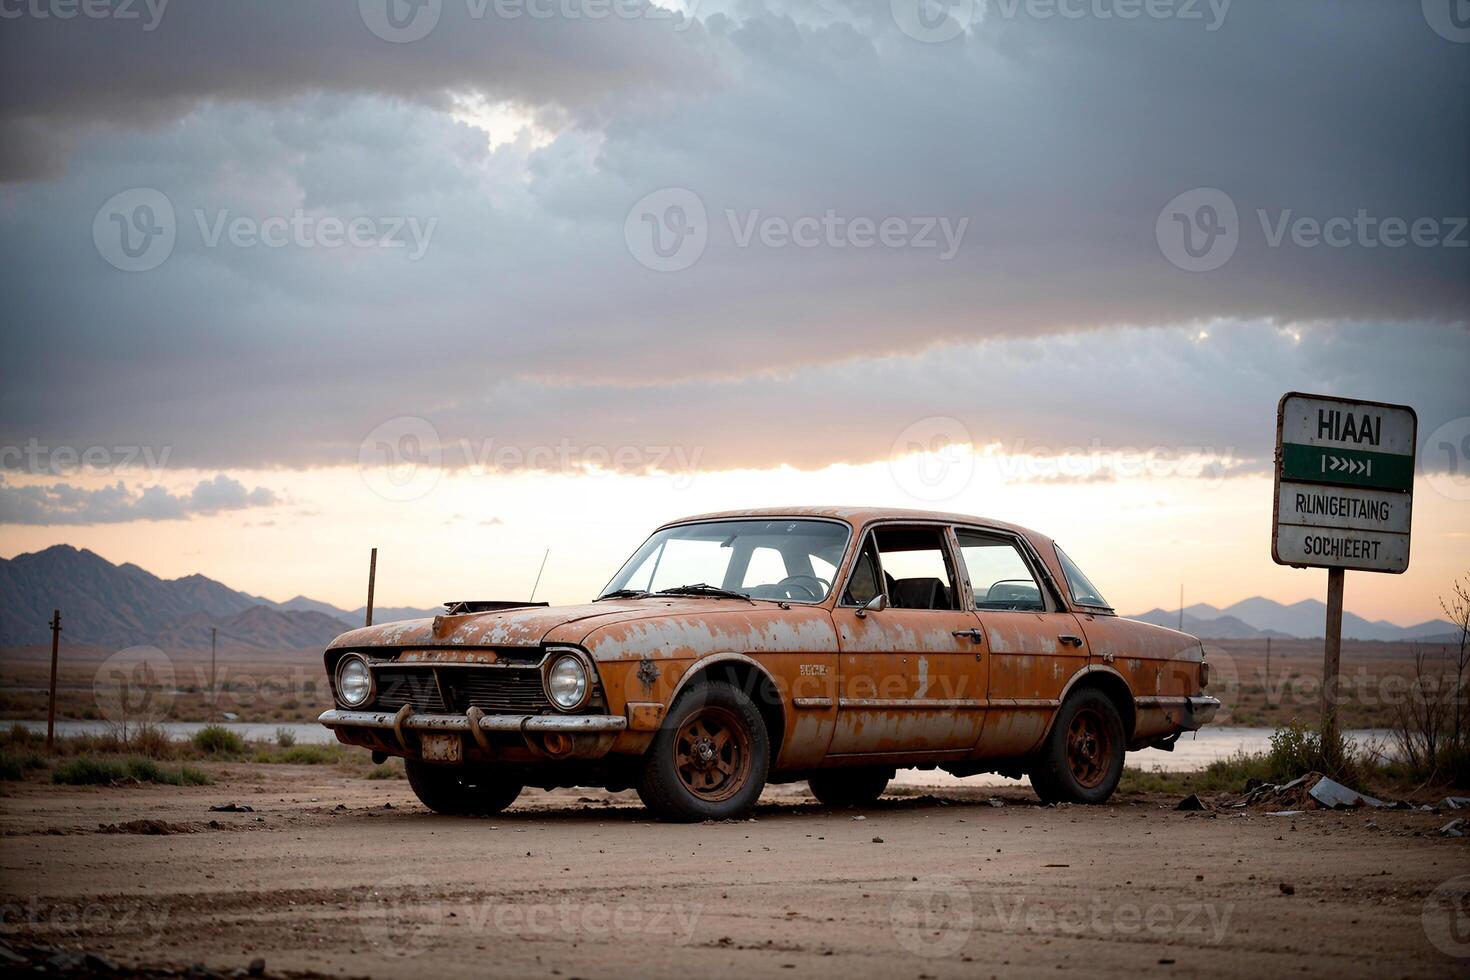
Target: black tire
x=843 y=788
x=693 y=773
x=461 y=790
x=1082 y=759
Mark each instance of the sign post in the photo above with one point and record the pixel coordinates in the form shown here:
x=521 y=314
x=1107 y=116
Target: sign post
x=1343 y=500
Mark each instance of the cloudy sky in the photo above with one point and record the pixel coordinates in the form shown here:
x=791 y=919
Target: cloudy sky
x=470 y=279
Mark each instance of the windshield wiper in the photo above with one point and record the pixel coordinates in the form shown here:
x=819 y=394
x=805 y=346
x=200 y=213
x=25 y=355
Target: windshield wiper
x=624 y=594
x=703 y=589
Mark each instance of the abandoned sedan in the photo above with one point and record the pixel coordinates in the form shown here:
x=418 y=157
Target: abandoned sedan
x=732 y=650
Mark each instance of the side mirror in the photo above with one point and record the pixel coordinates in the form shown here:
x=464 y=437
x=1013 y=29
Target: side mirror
x=878 y=603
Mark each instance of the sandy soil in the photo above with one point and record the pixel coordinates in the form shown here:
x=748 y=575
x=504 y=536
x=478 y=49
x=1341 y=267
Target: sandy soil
x=351 y=877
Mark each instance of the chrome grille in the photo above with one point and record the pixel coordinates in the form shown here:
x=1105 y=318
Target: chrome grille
x=494 y=690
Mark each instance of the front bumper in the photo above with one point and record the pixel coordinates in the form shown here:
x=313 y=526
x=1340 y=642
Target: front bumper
x=405 y=720
x=507 y=737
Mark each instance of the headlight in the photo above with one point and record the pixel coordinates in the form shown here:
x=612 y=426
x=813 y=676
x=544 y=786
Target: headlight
x=567 y=682
x=354 y=681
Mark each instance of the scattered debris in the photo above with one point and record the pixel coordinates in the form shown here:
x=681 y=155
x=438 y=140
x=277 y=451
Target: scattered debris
x=1287 y=889
x=1455 y=802
x=232 y=808
x=1286 y=813
x=877 y=840
x=859 y=817
x=150 y=828
x=1452 y=829
x=1191 y=802
x=995 y=801
x=1336 y=796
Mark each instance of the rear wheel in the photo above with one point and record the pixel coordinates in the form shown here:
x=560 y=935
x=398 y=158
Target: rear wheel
x=1082 y=759
x=461 y=790
x=709 y=761
x=849 y=787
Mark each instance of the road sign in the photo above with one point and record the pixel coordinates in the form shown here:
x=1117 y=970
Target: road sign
x=1344 y=483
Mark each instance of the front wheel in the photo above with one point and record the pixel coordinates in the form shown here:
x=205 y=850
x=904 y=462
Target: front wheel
x=1082 y=759
x=461 y=790
x=709 y=761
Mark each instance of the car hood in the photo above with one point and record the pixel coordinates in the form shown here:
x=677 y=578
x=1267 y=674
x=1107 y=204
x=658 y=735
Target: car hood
x=527 y=626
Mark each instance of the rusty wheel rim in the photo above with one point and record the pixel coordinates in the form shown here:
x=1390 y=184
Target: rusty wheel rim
x=1089 y=748
x=712 y=754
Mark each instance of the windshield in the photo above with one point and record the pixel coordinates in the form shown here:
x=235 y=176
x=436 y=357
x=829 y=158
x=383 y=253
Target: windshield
x=785 y=560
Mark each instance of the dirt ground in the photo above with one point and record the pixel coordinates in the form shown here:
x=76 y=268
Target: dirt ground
x=342 y=876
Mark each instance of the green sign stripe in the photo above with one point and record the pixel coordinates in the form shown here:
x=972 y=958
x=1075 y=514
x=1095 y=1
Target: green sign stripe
x=1346 y=467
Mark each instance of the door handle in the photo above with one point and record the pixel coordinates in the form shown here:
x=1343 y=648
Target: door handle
x=978 y=636
x=1067 y=639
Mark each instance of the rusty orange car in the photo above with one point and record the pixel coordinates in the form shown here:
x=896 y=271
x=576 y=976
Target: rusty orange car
x=732 y=650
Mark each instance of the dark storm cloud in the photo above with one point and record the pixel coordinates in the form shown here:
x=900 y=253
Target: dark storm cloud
x=528 y=317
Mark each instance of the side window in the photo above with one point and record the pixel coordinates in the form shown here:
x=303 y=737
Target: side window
x=916 y=571
x=999 y=575
x=862 y=584
x=1084 y=593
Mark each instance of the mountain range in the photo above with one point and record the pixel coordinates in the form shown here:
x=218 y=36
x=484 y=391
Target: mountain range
x=124 y=605
x=1258 y=618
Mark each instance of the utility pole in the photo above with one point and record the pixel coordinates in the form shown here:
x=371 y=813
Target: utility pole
x=213 y=691
x=537 y=584
x=51 y=702
x=1181 y=607
x=372 y=580
x=1268 y=671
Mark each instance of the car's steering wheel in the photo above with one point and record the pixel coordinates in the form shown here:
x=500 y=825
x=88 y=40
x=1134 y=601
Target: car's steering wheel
x=797 y=582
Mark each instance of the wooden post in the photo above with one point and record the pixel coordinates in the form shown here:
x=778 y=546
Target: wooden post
x=1332 y=653
x=372 y=579
x=213 y=691
x=1268 y=671
x=51 y=702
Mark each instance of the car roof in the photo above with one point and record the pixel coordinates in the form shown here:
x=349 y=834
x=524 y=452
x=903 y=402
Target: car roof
x=858 y=516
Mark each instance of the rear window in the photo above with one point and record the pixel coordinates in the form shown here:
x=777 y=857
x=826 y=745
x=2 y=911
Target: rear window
x=1084 y=593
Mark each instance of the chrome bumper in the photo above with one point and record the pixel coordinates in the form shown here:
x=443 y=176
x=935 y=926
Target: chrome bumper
x=404 y=720
x=1199 y=711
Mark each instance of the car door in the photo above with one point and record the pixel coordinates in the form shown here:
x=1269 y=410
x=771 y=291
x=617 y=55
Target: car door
x=1034 y=644
x=911 y=677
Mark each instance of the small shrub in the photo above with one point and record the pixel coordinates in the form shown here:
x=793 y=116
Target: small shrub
x=285 y=738
x=152 y=742
x=1297 y=749
x=218 y=740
